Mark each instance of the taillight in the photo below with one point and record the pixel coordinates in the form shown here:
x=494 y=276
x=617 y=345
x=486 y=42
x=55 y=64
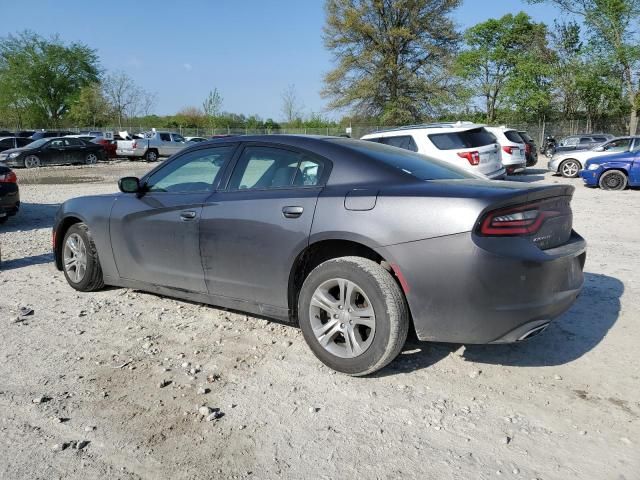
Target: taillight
x=509 y=150
x=53 y=238
x=527 y=148
x=8 y=178
x=513 y=221
x=472 y=157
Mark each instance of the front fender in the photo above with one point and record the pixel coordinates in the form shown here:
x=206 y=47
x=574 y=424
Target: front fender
x=95 y=212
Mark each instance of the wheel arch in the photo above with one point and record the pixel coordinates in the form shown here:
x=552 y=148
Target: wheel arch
x=58 y=237
x=326 y=249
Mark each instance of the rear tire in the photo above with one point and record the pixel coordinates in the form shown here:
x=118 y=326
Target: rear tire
x=91 y=158
x=361 y=330
x=570 y=168
x=151 y=156
x=613 y=180
x=80 y=262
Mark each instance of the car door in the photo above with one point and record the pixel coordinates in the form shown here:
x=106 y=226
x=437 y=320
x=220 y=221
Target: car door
x=165 y=147
x=252 y=230
x=155 y=235
x=177 y=143
x=54 y=152
x=75 y=150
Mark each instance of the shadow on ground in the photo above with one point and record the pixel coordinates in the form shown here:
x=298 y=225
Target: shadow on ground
x=13 y=264
x=569 y=337
x=31 y=216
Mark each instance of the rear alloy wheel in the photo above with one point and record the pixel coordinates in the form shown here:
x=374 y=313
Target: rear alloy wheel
x=31 y=161
x=80 y=261
x=570 y=168
x=353 y=315
x=91 y=159
x=151 y=156
x=613 y=180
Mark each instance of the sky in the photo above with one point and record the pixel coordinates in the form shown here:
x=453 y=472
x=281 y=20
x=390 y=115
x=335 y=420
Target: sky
x=249 y=50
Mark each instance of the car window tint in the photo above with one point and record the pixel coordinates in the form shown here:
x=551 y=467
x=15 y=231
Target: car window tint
x=269 y=167
x=6 y=142
x=165 y=137
x=56 y=143
x=526 y=137
x=585 y=140
x=74 y=142
x=23 y=141
x=192 y=172
x=402 y=141
x=620 y=145
x=419 y=166
x=177 y=138
x=477 y=137
x=600 y=139
x=513 y=136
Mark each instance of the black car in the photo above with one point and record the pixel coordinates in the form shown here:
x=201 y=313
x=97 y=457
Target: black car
x=9 y=193
x=13 y=142
x=582 y=142
x=531 y=150
x=50 y=134
x=6 y=133
x=54 y=151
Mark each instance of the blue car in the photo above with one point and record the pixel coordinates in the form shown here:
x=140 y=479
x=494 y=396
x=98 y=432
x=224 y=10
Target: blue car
x=613 y=172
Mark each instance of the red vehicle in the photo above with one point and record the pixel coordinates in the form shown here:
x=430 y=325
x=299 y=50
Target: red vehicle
x=109 y=146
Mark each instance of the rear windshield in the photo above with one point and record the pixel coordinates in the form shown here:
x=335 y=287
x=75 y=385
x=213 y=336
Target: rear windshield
x=513 y=136
x=419 y=166
x=526 y=137
x=477 y=137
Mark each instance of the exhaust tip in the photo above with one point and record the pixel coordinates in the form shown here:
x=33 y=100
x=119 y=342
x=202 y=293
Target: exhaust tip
x=533 y=332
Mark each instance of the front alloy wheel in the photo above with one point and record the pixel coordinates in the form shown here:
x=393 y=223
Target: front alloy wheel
x=75 y=257
x=91 y=159
x=570 y=168
x=31 y=161
x=80 y=262
x=613 y=180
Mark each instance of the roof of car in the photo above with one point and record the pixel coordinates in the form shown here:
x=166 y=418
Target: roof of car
x=435 y=127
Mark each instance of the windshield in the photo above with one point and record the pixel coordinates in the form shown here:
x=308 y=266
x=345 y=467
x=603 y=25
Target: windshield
x=38 y=143
x=415 y=164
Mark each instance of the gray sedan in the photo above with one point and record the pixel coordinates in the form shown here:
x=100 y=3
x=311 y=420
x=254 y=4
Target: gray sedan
x=354 y=241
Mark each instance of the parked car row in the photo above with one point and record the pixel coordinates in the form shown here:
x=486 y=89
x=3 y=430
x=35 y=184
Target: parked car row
x=54 y=151
x=490 y=151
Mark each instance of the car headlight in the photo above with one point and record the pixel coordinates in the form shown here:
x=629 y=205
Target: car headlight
x=593 y=166
x=14 y=154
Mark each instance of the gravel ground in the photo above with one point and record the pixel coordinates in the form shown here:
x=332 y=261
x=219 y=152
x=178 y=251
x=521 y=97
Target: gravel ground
x=112 y=384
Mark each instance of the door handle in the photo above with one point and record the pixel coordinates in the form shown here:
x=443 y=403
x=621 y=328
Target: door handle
x=188 y=215
x=292 y=212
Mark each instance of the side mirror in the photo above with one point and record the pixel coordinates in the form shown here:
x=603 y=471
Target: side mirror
x=129 y=185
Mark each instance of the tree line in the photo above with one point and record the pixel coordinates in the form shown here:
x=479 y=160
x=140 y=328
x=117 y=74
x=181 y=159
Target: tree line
x=404 y=61
x=396 y=62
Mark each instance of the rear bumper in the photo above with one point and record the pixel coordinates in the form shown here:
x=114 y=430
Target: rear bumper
x=468 y=289
x=9 y=199
x=497 y=175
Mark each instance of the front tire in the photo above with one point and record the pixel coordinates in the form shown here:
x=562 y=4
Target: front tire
x=31 y=161
x=613 y=180
x=570 y=168
x=353 y=315
x=80 y=261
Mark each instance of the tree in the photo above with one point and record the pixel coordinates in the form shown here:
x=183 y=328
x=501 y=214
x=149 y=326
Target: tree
x=123 y=94
x=291 y=106
x=91 y=108
x=44 y=76
x=392 y=57
x=190 y=117
x=497 y=50
x=612 y=25
x=212 y=106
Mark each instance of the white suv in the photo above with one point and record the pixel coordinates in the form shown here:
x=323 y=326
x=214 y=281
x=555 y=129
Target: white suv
x=463 y=144
x=512 y=148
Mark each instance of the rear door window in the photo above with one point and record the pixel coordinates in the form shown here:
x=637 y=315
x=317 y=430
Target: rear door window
x=165 y=137
x=477 y=137
x=513 y=136
x=402 y=141
x=599 y=139
x=6 y=143
x=585 y=140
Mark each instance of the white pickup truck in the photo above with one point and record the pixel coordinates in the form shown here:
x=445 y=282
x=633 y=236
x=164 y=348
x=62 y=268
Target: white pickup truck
x=152 y=146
